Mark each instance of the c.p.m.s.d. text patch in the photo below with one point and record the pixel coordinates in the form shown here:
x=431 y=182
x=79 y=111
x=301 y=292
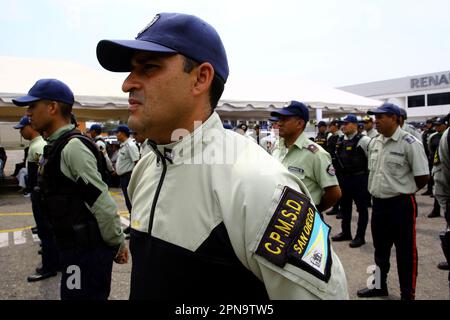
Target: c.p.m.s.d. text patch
x=297 y=235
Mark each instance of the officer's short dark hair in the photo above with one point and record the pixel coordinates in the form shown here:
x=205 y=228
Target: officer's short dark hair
x=217 y=85
x=66 y=109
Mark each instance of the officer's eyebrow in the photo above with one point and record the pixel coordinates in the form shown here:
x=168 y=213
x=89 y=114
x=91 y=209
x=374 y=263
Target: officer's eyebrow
x=143 y=58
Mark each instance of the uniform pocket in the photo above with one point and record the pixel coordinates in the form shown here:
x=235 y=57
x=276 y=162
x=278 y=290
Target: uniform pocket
x=372 y=161
x=395 y=166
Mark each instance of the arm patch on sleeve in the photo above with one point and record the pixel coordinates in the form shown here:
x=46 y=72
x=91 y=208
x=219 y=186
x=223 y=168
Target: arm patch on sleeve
x=312 y=148
x=296 y=234
x=89 y=192
x=410 y=139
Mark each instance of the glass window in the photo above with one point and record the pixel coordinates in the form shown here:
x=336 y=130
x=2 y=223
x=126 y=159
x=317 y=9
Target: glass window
x=416 y=101
x=437 y=99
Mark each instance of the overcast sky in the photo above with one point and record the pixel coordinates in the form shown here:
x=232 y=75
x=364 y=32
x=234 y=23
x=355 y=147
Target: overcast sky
x=329 y=41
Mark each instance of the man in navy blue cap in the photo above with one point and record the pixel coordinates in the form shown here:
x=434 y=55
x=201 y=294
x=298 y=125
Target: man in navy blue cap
x=76 y=202
x=397 y=169
x=441 y=125
x=441 y=175
x=351 y=167
x=95 y=131
x=304 y=158
x=199 y=200
x=321 y=138
x=427 y=132
x=334 y=132
x=49 y=251
x=126 y=161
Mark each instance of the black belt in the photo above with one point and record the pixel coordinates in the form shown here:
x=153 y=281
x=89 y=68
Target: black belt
x=348 y=174
x=393 y=199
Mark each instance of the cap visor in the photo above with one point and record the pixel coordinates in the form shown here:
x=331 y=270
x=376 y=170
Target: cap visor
x=115 y=55
x=18 y=126
x=25 y=100
x=376 y=111
x=282 y=113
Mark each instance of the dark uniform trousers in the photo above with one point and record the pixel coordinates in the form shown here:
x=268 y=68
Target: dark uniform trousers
x=394 y=222
x=92 y=278
x=354 y=188
x=50 y=254
x=124 y=182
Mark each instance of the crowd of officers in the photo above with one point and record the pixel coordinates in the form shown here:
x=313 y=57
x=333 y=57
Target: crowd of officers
x=214 y=231
x=350 y=161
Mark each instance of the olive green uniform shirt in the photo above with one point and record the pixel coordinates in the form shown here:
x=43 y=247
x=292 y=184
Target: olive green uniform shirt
x=393 y=164
x=36 y=149
x=309 y=162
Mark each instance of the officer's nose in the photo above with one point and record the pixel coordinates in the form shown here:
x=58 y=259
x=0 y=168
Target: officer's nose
x=130 y=83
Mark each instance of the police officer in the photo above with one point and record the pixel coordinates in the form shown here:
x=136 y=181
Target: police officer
x=433 y=146
x=321 y=138
x=95 y=131
x=407 y=127
x=50 y=260
x=371 y=132
x=429 y=130
x=334 y=132
x=126 y=161
x=398 y=168
x=75 y=200
x=304 y=158
x=351 y=160
x=441 y=174
x=207 y=208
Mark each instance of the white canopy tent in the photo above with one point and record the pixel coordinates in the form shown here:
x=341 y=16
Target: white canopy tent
x=98 y=94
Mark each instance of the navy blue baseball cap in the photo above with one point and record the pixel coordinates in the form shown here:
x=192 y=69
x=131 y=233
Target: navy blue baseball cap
x=294 y=108
x=440 y=121
x=168 y=33
x=350 y=118
x=123 y=128
x=386 y=108
x=95 y=127
x=25 y=121
x=322 y=124
x=46 y=89
x=274 y=119
x=335 y=122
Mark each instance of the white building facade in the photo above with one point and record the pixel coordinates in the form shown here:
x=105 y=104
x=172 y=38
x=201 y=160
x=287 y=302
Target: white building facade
x=422 y=96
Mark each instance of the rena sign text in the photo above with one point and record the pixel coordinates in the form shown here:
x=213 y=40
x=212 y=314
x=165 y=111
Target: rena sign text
x=430 y=81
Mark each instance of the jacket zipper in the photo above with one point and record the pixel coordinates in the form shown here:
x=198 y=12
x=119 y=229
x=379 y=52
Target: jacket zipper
x=162 y=158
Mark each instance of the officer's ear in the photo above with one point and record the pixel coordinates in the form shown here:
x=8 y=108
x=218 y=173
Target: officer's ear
x=301 y=123
x=204 y=74
x=53 y=108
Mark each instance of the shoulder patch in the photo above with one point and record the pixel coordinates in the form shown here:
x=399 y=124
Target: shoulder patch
x=296 y=234
x=409 y=138
x=330 y=170
x=312 y=148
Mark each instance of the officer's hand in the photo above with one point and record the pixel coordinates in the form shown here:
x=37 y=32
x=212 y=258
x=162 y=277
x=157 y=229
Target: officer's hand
x=122 y=255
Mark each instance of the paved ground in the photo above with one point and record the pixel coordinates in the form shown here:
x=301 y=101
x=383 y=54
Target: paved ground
x=18 y=254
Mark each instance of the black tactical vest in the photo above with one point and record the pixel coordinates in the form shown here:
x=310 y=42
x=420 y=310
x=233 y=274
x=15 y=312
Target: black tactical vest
x=351 y=159
x=331 y=146
x=434 y=144
x=63 y=200
x=321 y=140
